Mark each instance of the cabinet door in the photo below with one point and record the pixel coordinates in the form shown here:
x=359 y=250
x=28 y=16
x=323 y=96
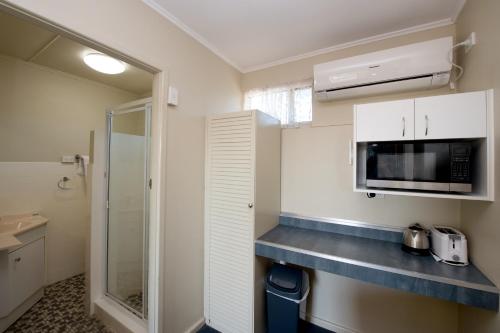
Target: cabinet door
x=386 y=121
x=230 y=222
x=451 y=116
x=26 y=271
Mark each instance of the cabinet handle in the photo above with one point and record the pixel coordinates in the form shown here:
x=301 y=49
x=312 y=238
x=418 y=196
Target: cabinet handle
x=404 y=125
x=18 y=259
x=250 y=205
x=426 y=125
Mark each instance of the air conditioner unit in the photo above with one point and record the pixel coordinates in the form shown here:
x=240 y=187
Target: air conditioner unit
x=411 y=67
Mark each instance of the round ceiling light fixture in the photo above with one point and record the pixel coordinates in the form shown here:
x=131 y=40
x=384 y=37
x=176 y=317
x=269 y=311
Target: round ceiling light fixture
x=104 y=64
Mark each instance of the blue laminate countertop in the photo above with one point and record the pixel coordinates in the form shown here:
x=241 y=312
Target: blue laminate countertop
x=378 y=261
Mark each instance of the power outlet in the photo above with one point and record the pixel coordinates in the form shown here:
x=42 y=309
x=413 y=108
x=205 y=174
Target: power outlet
x=470 y=42
x=372 y=195
x=68 y=159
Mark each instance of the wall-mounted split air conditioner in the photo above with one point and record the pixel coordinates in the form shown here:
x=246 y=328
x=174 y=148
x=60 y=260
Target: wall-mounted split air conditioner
x=416 y=66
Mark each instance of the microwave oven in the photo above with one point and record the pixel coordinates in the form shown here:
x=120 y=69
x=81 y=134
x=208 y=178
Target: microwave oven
x=420 y=165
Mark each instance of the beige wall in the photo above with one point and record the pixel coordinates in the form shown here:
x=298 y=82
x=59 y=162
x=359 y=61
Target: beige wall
x=481 y=220
x=45 y=113
x=317 y=181
x=32 y=187
x=206 y=84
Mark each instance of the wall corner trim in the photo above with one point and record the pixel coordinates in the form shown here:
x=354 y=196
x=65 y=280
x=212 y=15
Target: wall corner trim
x=362 y=41
x=190 y=32
x=458 y=10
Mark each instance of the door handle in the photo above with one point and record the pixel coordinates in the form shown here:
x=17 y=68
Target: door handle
x=426 y=125
x=18 y=259
x=404 y=125
x=250 y=205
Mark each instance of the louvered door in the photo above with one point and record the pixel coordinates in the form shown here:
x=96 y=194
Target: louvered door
x=230 y=222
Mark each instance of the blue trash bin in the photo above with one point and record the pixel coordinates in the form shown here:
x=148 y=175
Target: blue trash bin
x=286 y=293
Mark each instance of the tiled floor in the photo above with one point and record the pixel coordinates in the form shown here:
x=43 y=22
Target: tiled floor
x=61 y=310
x=305 y=327
x=135 y=302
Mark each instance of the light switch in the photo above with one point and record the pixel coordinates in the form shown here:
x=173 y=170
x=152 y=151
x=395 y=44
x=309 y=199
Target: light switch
x=173 y=96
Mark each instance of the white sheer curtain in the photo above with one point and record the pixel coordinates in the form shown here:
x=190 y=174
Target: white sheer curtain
x=291 y=104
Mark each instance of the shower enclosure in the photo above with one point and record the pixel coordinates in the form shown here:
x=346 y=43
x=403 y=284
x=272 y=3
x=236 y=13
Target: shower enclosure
x=128 y=139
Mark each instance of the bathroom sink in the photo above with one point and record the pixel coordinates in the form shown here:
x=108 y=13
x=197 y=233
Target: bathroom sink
x=14 y=226
x=17 y=224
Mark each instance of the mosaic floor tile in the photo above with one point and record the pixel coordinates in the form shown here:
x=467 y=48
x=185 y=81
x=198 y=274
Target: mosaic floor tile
x=135 y=302
x=60 y=310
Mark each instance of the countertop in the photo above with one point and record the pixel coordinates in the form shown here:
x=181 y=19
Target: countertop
x=376 y=261
x=14 y=225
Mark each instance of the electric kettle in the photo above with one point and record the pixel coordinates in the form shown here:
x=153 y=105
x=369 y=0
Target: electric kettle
x=416 y=240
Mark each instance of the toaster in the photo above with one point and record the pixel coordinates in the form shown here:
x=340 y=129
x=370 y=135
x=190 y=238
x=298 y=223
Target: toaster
x=449 y=244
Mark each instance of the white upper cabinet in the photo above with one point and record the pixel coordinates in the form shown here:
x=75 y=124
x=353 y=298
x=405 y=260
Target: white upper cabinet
x=386 y=121
x=467 y=116
x=451 y=116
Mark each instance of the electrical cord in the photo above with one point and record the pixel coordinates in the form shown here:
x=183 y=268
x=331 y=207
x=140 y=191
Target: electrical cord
x=454 y=65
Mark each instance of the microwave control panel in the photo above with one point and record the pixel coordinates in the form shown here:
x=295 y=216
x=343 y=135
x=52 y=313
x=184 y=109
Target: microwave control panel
x=460 y=162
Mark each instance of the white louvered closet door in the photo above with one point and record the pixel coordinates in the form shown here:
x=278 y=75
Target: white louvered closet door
x=230 y=222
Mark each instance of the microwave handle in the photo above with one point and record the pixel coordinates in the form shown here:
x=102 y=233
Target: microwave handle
x=404 y=125
x=350 y=152
x=426 y=125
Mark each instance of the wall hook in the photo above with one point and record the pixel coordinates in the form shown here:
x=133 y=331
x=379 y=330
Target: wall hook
x=62 y=183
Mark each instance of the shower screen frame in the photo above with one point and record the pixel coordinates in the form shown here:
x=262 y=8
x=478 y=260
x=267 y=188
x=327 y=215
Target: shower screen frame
x=144 y=105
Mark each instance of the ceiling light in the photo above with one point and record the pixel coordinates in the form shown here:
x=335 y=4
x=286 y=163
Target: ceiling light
x=104 y=64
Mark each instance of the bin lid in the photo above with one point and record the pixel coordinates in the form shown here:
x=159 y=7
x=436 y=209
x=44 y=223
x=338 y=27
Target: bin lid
x=285 y=278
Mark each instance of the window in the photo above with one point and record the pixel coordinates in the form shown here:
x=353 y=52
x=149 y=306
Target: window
x=290 y=104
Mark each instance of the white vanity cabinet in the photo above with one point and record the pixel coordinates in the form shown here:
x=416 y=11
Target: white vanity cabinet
x=22 y=275
x=242 y=202
x=385 y=121
x=454 y=116
x=26 y=271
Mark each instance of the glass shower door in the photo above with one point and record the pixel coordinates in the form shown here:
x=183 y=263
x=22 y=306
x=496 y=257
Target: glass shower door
x=128 y=206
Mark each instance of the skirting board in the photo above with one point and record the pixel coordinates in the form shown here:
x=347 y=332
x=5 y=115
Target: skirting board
x=328 y=325
x=196 y=326
x=314 y=320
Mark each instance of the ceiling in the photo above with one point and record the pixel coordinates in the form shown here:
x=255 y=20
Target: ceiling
x=29 y=42
x=254 y=34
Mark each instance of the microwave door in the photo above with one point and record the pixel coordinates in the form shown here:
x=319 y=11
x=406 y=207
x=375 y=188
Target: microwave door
x=389 y=165
x=432 y=166
x=415 y=166
x=382 y=162
x=409 y=161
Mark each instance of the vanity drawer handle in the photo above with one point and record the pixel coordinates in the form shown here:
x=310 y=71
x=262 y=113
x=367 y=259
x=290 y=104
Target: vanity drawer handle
x=18 y=259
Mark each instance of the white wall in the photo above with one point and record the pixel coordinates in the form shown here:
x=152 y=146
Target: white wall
x=32 y=187
x=317 y=181
x=481 y=220
x=45 y=114
x=206 y=84
x=361 y=307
